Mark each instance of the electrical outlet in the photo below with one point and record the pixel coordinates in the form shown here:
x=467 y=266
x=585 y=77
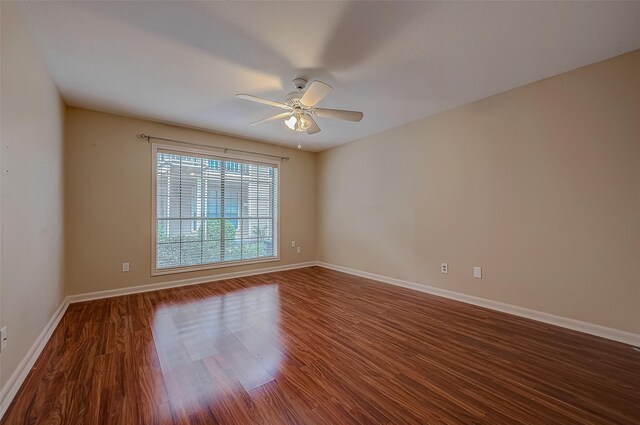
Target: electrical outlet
x=299 y=249
x=444 y=268
x=293 y=244
x=3 y=338
x=125 y=267
x=477 y=272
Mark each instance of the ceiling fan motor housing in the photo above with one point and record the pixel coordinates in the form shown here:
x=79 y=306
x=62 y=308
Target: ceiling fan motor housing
x=293 y=98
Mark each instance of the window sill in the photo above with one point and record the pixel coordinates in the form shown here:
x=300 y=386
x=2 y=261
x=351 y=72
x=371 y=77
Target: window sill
x=202 y=267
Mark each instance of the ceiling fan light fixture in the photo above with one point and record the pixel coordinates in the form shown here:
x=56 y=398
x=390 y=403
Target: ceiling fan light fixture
x=298 y=122
x=304 y=123
x=291 y=122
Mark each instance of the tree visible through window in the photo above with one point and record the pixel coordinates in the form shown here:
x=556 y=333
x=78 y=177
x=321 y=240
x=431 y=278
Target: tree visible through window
x=213 y=210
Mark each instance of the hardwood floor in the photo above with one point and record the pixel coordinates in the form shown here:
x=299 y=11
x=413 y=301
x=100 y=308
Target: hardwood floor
x=314 y=346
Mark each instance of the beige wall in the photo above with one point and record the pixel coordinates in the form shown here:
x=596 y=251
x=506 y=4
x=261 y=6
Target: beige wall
x=31 y=280
x=539 y=185
x=108 y=200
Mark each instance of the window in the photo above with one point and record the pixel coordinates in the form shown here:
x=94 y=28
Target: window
x=212 y=211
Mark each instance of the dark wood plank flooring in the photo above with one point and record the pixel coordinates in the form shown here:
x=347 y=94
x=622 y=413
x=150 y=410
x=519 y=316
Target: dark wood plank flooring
x=314 y=346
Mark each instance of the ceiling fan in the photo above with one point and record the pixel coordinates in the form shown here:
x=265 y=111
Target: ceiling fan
x=301 y=107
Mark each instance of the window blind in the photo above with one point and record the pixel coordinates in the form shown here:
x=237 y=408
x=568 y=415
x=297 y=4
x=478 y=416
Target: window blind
x=213 y=210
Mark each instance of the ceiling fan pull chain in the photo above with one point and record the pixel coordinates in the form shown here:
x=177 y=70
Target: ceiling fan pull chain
x=299 y=140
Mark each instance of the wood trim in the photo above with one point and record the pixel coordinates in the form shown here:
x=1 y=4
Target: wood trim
x=18 y=376
x=564 y=322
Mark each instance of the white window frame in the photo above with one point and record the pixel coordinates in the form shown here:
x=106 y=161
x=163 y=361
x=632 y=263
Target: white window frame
x=154 y=208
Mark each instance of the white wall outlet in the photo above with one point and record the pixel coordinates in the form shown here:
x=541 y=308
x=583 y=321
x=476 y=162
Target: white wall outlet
x=299 y=249
x=125 y=267
x=3 y=338
x=444 y=268
x=477 y=272
x=293 y=244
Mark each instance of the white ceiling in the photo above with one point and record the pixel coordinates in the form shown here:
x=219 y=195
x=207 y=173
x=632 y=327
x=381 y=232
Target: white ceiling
x=183 y=62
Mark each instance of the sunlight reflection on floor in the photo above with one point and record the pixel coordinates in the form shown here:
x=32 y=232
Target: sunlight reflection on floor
x=210 y=348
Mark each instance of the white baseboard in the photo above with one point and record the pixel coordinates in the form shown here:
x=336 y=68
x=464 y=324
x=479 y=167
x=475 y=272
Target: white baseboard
x=20 y=374
x=182 y=282
x=576 y=325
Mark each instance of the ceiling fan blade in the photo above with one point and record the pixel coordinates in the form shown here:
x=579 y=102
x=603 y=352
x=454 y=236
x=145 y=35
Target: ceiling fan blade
x=338 y=114
x=273 y=118
x=263 y=101
x=315 y=93
x=313 y=129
